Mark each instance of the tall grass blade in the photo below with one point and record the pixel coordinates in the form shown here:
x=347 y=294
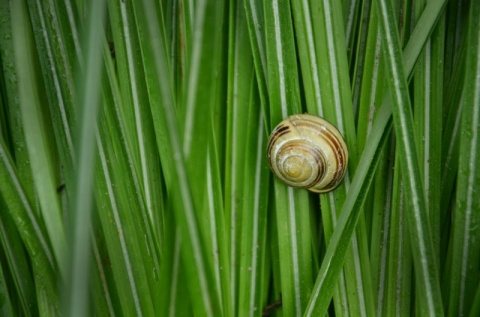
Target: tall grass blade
x=82 y=201
x=328 y=273
x=240 y=90
x=38 y=137
x=426 y=265
x=291 y=205
x=465 y=236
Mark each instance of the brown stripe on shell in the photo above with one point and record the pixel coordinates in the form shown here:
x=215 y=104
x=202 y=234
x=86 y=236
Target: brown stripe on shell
x=336 y=144
x=339 y=155
x=282 y=128
x=282 y=132
x=340 y=168
x=279 y=131
x=317 y=155
x=334 y=140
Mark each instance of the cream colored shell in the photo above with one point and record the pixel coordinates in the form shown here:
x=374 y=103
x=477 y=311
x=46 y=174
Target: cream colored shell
x=306 y=151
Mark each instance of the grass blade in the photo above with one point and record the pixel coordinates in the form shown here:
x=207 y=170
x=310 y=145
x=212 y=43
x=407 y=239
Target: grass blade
x=428 y=106
x=241 y=76
x=6 y=308
x=328 y=95
x=465 y=249
x=424 y=253
x=58 y=76
x=291 y=205
x=82 y=202
x=38 y=137
x=18 y=264
x=11 y=101
x=29 y=228
x=172 y=158
x=254 y=219
x=328 y=273
x=341 y=237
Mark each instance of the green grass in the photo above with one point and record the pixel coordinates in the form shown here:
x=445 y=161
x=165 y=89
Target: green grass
x=133 y=172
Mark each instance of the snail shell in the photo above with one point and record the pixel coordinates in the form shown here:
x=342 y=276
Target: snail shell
x=305 y=151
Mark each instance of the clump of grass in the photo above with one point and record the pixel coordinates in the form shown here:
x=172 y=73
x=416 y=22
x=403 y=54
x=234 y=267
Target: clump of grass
x=133 y=171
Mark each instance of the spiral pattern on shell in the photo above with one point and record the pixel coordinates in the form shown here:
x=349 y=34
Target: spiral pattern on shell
x=306 y=151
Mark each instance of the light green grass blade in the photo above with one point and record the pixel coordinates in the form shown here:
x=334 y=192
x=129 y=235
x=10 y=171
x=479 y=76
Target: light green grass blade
x=451 y=143
x=428 y=111
x=352 y=11
x=146 y=228
x=58 y=79
x=142 y=248
x=291 y=205
x=120 y=225
x=465 y=234
x=218 y=229
x=173 y=281
x=328 y=94
x=254 y=250
x=256 y=21
x=82 y=201
x=69 y=23
x=29 y=228
x=330 y=50
x=11 y=101
x=400 y=263
x=371 y=88
x=158 y=72
x=426 y=265
x=382 y=226
x=38 y=137
x=332 y=263
x=368 y=93
x=13 y=141
x=134 y=109
x=361 y=50
x=104 y=301
x=240 y=89
x=250 y=167
x=210 y=99
x=134 y=261
x=329 y=273
x=201 y=116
